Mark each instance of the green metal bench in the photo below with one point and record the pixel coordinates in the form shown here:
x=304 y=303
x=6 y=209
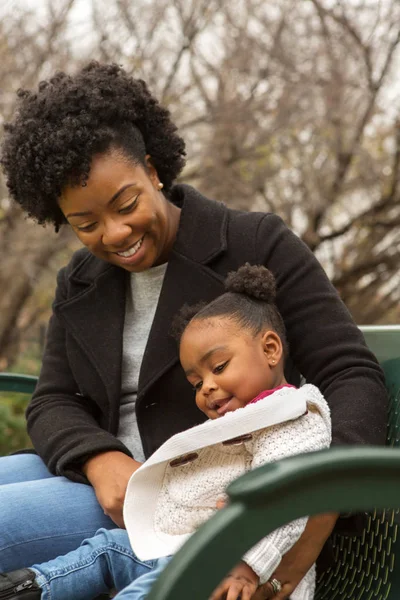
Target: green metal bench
x=367 y=567
x=340 y=479
x=15 y=382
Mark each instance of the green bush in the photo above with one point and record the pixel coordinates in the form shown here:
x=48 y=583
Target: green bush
x=13 y=435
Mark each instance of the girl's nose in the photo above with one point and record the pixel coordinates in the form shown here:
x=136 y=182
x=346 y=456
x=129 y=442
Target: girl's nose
x=115 y=233
x=209 y=387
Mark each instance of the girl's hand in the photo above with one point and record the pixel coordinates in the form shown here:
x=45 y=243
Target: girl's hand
x=300 y=558
x=241 y=583
x=109 y=474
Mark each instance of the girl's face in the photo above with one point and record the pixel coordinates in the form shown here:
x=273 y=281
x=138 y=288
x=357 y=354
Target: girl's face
x=227 y=365
x=121 y=216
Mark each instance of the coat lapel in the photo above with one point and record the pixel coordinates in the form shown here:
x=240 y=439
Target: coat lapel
x=185 y=283
x=188 y=279
x=94 y=315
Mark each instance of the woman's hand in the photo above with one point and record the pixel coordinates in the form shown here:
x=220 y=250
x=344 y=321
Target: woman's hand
x=241 y=583
x=109 y=474
x=297 y=562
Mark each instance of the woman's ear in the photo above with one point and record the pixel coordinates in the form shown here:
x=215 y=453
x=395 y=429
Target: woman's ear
x=272 y=347
x=152 y=171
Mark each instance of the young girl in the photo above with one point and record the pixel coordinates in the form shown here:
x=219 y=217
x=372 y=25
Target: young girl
x=232 y=351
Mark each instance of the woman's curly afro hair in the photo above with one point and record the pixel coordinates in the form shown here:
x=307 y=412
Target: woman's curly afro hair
x=58 y=129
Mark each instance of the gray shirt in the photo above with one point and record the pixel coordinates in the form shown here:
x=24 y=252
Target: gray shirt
x=141 y=302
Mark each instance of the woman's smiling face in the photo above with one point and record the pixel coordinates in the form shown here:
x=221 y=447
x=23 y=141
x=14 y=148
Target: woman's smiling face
x=121 y=215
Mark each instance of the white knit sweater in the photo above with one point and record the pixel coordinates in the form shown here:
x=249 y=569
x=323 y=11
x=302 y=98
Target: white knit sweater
x=175 y=499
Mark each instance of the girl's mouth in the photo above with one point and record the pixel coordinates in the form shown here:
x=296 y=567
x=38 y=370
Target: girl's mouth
x=223 y=406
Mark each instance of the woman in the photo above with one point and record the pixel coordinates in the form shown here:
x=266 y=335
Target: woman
x=98 y=152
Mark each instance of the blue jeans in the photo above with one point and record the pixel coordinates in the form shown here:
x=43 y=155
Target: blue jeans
x=102 y=562
x=42 y=516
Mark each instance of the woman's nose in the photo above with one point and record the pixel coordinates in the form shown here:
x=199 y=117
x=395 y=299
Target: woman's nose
x=115 y=233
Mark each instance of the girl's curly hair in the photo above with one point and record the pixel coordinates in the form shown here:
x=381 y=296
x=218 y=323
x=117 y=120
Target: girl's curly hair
x=60 y=127
x=249 y=300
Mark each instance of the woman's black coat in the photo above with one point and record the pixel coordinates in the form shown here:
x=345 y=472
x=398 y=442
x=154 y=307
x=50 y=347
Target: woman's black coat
x=74 y=411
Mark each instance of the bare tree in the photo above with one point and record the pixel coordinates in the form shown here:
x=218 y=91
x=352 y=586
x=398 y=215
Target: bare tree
x=296 y=121
x=29 y=48
x=285 y=105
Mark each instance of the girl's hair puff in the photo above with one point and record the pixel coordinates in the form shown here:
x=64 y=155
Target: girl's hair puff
x=249 y=300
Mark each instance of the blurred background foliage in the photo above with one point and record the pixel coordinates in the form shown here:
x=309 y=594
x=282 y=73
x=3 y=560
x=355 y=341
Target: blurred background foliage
x=290 y=106
x=13 y=434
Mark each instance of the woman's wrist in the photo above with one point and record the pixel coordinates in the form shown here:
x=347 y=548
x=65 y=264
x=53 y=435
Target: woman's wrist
x=95 y=465
x=317 y=531
x=324 y=524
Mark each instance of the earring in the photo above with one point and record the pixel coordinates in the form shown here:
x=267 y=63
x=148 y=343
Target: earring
x=160 y=185
x=273 y=361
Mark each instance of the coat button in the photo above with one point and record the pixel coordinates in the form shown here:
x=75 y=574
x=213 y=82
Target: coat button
x=238 y=440
x=184 y=460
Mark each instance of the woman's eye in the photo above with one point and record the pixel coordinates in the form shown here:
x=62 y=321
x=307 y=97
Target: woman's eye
x=127 y=209
x=86 y=228
x=220 y=368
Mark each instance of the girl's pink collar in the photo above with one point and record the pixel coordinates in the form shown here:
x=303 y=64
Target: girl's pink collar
x=266 y=393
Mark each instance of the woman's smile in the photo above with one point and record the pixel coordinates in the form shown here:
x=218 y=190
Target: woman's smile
x=131 y=250
x=131 y=255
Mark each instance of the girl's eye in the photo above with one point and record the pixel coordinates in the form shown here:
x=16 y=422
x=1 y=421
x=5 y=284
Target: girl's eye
x=197 y=386
x=127 y=209
x=220 y=368
x=86 y=228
